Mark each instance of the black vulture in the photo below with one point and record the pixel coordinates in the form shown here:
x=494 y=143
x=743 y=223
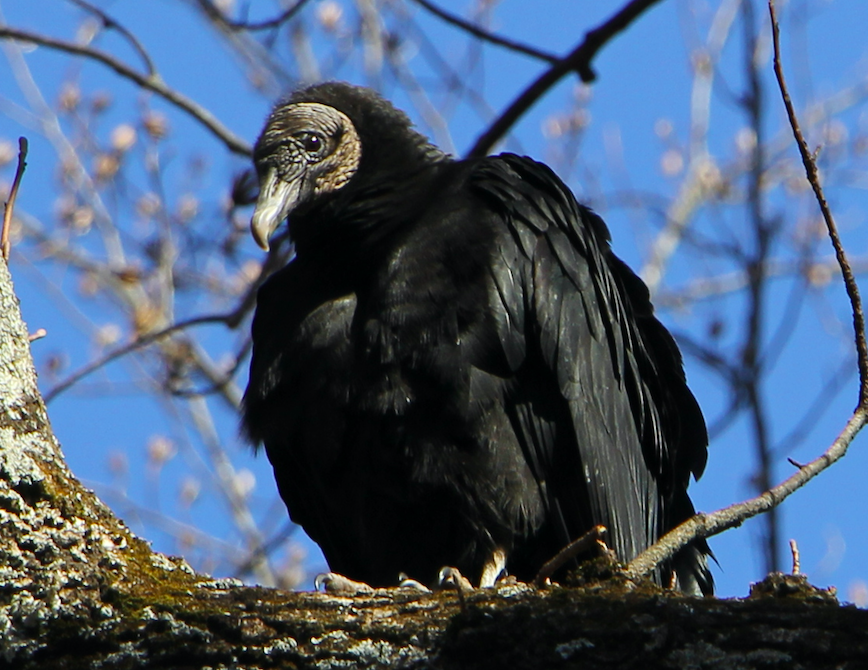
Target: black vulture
x=454 y=368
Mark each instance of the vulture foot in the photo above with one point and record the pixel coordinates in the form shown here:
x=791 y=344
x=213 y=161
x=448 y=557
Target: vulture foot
x=451 y=578
x=335 y=584
x=405 y=582
x=492 y=570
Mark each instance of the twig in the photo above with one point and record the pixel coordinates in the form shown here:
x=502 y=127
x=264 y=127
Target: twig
x=227 y=477
x=111 y=24
x=485 y=35
x=264 y=550
x=752 y=368
x=10 y=203
x=152 y=83
x=214 y=13
x=586 y=542
x=223 y=380
x=706 y=288
x=276 y=258
x=38 y=335
x=138 y=343
x=579 y=59
x=797 y=563
x=814 y=179
x=706 y=525
x=810 y=417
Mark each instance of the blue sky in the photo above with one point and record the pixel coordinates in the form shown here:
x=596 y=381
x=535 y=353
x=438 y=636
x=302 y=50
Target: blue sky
x=644 y=81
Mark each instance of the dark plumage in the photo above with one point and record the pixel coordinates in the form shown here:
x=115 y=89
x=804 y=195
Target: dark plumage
x=454 y=364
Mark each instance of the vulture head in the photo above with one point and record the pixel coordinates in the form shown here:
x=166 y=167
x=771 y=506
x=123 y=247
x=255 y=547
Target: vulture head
x=324 y=139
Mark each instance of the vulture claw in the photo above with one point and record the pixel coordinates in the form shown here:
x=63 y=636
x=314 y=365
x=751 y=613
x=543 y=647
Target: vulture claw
x=335 y=584
x=451 y=578
x=405 y=582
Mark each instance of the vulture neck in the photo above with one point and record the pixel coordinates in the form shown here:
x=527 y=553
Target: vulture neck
x=360 y=226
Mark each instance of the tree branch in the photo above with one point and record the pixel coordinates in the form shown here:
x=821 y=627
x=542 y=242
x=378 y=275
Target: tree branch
x=138 y=343
x=762 y=231
x=109 y=23
x=579 y=59
x=814 y=179
x=13 y=193
x=215 y=14
x=706 y=525
x=151 y=83
x=485 y=35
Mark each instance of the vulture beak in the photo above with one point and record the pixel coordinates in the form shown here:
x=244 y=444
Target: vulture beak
x=277 y=198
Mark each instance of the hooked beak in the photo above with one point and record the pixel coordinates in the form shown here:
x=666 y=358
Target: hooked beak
x=277 y=198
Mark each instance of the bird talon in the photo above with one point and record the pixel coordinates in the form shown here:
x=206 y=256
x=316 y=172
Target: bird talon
x=335 y=584
x=451 y=578
x=405 y=582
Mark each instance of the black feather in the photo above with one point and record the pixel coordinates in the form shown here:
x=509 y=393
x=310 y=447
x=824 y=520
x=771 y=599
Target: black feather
x=455 y=361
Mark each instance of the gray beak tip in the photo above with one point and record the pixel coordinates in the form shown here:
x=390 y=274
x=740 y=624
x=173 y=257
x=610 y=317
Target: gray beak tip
x=266 y=218
x=261 y=242
x=276 y=200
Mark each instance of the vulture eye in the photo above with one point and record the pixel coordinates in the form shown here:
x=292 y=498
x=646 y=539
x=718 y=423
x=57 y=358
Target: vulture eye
x=311 y=142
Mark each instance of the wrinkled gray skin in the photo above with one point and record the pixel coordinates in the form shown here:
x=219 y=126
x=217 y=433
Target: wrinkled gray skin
x=306 y=150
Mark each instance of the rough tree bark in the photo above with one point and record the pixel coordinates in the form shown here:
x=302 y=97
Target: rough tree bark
x=79 y=590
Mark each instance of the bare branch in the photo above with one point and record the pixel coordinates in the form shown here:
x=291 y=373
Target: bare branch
x=215 y=14
x=227 y=476
x=706 y=525
x=138 y=343
x=109 y=23
x=708 y=288
x=152 y=83
x=579 y=59
x=485 y=35
x=219 y=381
x=590 y=540
x=264 y=550
x=762 y=231
x=10 y=203
x=814 y=179
x=276 y=258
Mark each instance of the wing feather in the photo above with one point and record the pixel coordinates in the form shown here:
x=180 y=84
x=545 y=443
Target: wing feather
x=602 y=410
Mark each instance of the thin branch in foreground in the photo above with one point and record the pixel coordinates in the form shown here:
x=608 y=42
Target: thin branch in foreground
x=814 y=179
x=13 y=193
x=579 y=60
x=151 y=83
x=265 y=550
x=706 y=525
